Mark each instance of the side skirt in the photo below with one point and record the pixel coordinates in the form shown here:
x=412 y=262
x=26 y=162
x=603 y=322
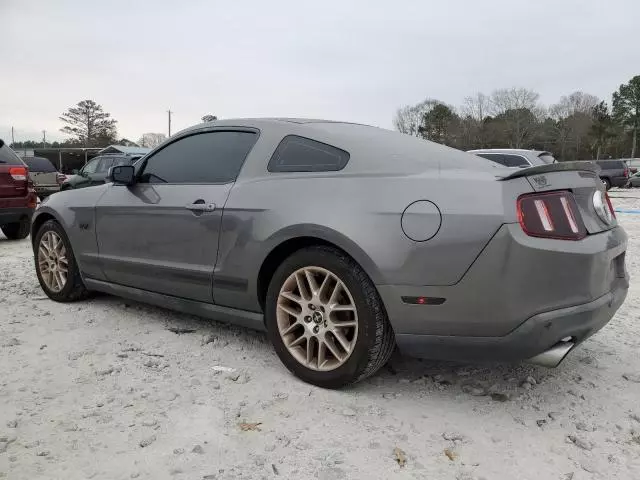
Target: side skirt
x=252 y=320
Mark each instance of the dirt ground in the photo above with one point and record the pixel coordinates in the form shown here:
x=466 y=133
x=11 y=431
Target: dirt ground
x=104 y=389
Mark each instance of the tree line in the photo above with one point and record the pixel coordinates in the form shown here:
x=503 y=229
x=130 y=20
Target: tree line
x=88 y=125
x=579 y=127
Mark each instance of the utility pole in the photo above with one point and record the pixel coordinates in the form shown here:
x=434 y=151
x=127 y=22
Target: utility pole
x=13 y=140
x=44 y=139
x=169 y=112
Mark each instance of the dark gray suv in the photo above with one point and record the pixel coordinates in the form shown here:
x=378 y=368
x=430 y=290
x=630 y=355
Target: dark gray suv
x=613 y=173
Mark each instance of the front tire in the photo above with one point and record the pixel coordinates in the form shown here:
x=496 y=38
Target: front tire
x=326 y=320
x=56 y=265
x=17 y=230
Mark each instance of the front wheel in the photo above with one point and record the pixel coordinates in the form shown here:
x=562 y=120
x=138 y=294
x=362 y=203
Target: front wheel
x=326 y=319
x=56 y=265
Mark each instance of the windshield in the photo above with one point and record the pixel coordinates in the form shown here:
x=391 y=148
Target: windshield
x=91 y=166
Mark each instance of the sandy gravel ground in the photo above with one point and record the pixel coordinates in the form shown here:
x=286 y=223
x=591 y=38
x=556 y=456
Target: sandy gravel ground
x=104 y=389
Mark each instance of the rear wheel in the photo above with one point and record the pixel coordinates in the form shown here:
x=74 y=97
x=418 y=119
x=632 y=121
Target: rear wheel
x=326 y=320
x=607 y=183
x=56 y=265
x=17 y=230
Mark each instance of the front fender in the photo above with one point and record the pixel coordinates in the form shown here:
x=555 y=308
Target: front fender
x=74 y=210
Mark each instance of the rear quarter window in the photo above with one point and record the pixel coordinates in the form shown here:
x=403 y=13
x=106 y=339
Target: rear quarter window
x=300 y=154
x=505 y=159
x=39 y=165
x=9 y=157
x=547 y=158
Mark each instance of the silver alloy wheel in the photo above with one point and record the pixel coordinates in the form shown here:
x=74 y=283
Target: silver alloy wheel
x=317 y=318
x=52 y=261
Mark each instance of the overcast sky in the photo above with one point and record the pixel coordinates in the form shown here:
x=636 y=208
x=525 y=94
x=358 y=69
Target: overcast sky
x=355 y=60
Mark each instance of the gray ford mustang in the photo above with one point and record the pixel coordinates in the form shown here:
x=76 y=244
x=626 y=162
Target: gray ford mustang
x=343 y=241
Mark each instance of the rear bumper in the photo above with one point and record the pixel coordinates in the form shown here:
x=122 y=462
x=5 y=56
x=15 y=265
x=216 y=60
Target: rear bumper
x=46 y=190
x=520 y=297
x=536 y=335
x=12 y=215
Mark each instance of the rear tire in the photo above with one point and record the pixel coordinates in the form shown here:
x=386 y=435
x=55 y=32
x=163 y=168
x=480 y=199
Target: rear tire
x=607 y=183
x=70 y=289
x=17 y=230
x=371 y=341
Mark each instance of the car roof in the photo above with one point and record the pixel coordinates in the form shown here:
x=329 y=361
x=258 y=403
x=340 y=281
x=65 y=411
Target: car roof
x=372 y=149
x=268 y=121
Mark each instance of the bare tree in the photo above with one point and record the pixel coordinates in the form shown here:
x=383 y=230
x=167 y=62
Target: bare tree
x=476 y=107
x=474 y=112
x=151 y=140
x=517 y=114
x=408 y=119
x=209 y=118
x=573 y=119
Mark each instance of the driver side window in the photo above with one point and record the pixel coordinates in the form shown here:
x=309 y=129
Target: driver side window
x=202 y=158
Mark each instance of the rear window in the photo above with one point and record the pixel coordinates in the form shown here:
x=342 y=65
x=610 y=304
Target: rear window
x=547 y=158
x=299 y=154
x=505 y=159
x=39 y=165
x=9 y=157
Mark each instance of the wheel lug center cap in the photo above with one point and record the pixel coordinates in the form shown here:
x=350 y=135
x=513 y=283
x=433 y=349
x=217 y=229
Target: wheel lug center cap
x=317 y=317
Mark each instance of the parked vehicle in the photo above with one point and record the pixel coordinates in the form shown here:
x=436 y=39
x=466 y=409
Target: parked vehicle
x=95 y=171
x=634 y=181
x=17 y=197
x=343 y=241
x=614 y=173
x=633 y=164
x=46 y=179
x=515 y=157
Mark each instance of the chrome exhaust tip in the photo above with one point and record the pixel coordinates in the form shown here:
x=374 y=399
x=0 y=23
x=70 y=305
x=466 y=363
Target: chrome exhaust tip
x=552 y=357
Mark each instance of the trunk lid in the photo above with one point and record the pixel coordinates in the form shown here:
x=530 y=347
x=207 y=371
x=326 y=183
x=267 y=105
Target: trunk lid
x=42 y=172
x=581 y=178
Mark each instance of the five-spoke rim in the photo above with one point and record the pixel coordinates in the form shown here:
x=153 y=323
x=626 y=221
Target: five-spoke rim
x=317 y=318
x=52 y=261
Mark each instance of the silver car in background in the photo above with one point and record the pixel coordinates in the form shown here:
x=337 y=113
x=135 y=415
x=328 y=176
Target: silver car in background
x=343 y=241
x=516 y=157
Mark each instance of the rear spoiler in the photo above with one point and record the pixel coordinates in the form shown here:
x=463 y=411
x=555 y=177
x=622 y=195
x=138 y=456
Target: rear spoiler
x=554 y=167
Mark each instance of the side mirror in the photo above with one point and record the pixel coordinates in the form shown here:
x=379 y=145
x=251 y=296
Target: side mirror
x=122 y=175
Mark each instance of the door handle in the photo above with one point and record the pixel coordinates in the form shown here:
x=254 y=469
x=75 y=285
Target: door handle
x=200 y=206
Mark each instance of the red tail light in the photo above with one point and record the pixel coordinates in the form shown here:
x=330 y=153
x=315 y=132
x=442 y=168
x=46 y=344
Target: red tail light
x=19 y=174
x=551 y=215
x=626 y=173
x=613 y=212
